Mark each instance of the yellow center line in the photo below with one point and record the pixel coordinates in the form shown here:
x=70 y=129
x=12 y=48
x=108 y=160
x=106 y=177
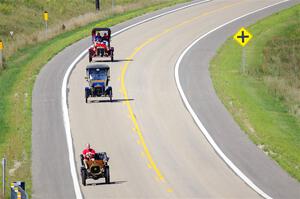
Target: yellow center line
x=124 y=90
x=137 y=128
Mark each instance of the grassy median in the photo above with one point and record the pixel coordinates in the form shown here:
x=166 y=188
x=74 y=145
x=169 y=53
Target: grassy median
x=16 y=83
x=264 y=97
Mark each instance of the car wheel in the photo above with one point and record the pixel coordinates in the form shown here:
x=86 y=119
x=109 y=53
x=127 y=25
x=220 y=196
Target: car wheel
x=107 y=176
x=83 y=177
x=110 y=95
x=112 y=57
x=81 y=160
x=87 y=94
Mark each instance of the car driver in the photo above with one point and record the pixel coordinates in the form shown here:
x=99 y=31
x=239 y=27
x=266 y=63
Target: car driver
x=88 y=154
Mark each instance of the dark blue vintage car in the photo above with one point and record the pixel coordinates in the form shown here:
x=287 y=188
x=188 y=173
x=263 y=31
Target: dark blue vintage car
x=98 y=76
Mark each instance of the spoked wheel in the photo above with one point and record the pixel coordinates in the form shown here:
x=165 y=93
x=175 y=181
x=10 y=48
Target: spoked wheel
x=107 y=175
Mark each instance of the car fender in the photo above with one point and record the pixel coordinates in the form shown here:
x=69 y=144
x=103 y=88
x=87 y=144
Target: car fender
x=91 y=51
x=108 y=89
x=87 y=91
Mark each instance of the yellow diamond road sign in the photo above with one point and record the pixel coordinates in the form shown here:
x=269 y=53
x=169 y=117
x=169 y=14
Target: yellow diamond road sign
x=242 y=37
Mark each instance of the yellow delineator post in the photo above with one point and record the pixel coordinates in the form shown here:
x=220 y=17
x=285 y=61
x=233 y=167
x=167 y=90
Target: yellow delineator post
x=243 y=37
x=1 y=54
x=46 y=17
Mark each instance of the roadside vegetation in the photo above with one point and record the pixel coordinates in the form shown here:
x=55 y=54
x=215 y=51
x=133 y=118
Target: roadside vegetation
x=264 y=98
x=25 y=18
x=24 y=62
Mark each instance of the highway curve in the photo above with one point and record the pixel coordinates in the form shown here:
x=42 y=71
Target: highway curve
x=152 y=118
x=51 y=176
x=156 y=150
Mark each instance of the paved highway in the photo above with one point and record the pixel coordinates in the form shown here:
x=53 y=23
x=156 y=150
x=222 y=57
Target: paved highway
x=155 y=147
x=51 y=176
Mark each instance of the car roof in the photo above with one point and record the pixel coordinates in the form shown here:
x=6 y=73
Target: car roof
x=101 y=29
x=102 y=66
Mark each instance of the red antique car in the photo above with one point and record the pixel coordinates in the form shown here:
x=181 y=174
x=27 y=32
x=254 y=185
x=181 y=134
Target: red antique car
x=101 y=38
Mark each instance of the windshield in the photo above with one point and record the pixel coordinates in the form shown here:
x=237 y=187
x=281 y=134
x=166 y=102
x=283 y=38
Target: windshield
x=97 y=74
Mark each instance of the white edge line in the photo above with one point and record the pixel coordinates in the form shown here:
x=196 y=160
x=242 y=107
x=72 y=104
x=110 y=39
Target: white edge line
x=64 y=93
x=67 y=126
x=197 y=120
x=160 y=15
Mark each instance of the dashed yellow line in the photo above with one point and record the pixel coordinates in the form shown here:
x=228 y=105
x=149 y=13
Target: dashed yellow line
x=169 y=190
x=132 y=116
x=151 y=164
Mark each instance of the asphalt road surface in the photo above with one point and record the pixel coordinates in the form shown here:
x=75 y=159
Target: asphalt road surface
x=155 y=148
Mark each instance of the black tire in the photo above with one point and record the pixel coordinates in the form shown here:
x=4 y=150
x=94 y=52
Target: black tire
x=81 y=160
x=87 y=94
x=107 y=175
x=112 y=58
x=83 y=177
x=110 y=95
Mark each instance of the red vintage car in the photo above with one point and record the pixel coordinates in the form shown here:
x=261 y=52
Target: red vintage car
x=101 y=38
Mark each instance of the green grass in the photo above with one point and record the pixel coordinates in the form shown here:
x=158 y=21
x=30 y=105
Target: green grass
x=25 y=18
x=264 y=98
x=16 y=83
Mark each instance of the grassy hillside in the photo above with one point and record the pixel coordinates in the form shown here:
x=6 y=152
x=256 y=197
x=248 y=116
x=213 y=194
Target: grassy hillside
x=23 y=66
x=265 y=98
x=25 y=18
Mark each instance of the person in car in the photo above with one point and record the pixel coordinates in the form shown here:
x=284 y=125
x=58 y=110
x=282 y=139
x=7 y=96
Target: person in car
x=88 y=154
x=98 y=37
x=105 y=37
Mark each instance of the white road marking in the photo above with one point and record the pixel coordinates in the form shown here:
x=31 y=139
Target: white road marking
x=67 y=125
x=196 y=119
x=64 y=93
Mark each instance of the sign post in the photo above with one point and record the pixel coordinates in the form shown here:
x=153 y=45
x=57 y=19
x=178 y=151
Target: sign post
x=46 y=17
x=97 y=3
x=243 y=37
x=1 y=54
x=3 y=175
